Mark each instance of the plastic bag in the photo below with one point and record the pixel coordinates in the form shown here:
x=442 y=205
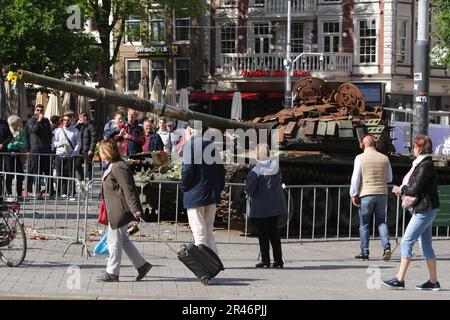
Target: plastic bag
x=102 y=246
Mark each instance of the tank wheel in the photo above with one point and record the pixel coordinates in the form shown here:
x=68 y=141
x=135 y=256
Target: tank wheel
x=312 y=89
x=349 y=96
x=205 y=281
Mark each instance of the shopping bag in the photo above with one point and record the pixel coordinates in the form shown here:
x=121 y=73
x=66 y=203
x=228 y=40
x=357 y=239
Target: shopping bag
x=102 y=215
x=102 y=246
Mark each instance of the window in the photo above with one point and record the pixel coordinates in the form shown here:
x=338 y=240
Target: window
x=158 y=69
x=367 y=41
x=228 y=38
x=402 y=42
x=132 y=30
x=183 y=73
x=157 y=26
x=228 y=2
x=297 y=37
x=259 y=2
x=331 y=36
x=262 y=36
x=133 y=74
x=182 y=27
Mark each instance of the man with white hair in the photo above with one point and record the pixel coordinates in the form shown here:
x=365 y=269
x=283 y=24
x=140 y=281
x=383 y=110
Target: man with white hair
x=202 y=184
x=372 y=171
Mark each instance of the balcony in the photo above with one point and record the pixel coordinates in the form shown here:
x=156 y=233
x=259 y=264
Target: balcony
x=300 y=8
x=233 y=65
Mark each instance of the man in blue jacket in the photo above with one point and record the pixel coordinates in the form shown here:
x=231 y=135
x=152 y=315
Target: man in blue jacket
x=201 y=184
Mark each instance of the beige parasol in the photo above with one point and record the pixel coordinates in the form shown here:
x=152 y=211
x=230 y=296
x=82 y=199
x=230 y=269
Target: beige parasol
x=54 y=107
x=156 y=96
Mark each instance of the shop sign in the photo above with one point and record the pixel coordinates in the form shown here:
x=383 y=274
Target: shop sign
x=276 y=73
x=158 y=50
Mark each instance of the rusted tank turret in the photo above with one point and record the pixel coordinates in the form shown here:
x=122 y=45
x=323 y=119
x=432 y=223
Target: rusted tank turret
x=319 y=139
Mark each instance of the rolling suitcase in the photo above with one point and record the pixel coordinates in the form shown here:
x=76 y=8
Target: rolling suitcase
x=201 y=260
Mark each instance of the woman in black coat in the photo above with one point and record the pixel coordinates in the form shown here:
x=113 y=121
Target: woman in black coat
x=419 y=184
x=267 y=204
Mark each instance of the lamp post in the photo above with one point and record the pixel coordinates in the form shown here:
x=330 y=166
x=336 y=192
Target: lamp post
x=289 y=65
x=210 y=87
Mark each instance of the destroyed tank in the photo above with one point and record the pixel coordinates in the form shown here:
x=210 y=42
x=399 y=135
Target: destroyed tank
x=318 y=137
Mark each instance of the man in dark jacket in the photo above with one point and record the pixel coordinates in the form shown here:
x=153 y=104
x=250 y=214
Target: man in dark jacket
x=88 y=137
x=201 y=184
x=39 y=138
x=5 y=138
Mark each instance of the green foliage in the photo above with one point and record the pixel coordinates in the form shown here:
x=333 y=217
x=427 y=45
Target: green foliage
x=441 y=13
x=34 y=36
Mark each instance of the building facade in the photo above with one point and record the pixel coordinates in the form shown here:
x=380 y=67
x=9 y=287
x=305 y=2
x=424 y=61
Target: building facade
x=368 y=42
x=167 y=46
x=242 y=45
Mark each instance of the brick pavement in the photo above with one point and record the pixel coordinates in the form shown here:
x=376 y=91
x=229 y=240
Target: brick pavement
x=313 y=270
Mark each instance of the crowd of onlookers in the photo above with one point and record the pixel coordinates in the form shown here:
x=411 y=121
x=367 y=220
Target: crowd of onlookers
x=66 y=146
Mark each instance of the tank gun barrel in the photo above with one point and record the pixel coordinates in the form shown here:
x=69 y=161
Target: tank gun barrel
x=139 y=104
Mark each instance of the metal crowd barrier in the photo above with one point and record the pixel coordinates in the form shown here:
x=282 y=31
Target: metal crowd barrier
x=56 y=216
x=316 y=212
x=45 y=163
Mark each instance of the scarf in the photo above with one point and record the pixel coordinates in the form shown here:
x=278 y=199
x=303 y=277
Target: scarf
x=266 y=167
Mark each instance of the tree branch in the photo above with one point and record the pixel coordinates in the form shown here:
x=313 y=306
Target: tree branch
x=118 y=44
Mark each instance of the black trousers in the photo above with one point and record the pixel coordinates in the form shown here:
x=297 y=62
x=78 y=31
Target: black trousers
x=65 y=168
x=85 y=172
x=268 y=232
x=14 y=164
x=39 y=165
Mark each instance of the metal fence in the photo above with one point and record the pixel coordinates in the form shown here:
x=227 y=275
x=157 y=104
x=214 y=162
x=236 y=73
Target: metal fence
x=315 y=213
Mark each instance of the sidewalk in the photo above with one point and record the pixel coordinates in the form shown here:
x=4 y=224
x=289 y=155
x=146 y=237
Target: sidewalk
x=319 y=270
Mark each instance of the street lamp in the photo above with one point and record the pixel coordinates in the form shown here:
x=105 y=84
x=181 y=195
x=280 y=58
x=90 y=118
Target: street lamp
x=210 y=87
x=289 y=65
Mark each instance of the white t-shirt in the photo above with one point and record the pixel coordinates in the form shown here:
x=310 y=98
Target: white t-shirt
x=166 y=139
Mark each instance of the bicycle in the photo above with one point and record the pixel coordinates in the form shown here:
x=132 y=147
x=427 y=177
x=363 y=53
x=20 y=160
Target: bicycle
x=13 y=240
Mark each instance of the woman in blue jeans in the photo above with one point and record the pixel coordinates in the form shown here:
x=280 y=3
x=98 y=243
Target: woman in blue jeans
x=421 y=184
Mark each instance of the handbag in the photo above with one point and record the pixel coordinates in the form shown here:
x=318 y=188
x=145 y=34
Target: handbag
x=102 y=246
x=102 y=215
x=409 y=202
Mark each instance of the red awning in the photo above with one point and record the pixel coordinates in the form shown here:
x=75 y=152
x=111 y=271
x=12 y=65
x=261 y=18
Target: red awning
x=275 y=95
x=226 y=95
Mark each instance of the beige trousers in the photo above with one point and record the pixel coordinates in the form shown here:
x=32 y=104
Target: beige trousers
x=201 y=221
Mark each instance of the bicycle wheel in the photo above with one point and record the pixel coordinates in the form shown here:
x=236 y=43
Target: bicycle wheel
x=13 y=245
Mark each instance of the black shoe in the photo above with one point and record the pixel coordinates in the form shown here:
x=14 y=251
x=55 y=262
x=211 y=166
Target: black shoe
x=394 y=284
x=277 y=265
x=143 y=270
x=362 y=257
x=107 y=277
x=387 y=254
x=262 y=265
x=429 y=286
